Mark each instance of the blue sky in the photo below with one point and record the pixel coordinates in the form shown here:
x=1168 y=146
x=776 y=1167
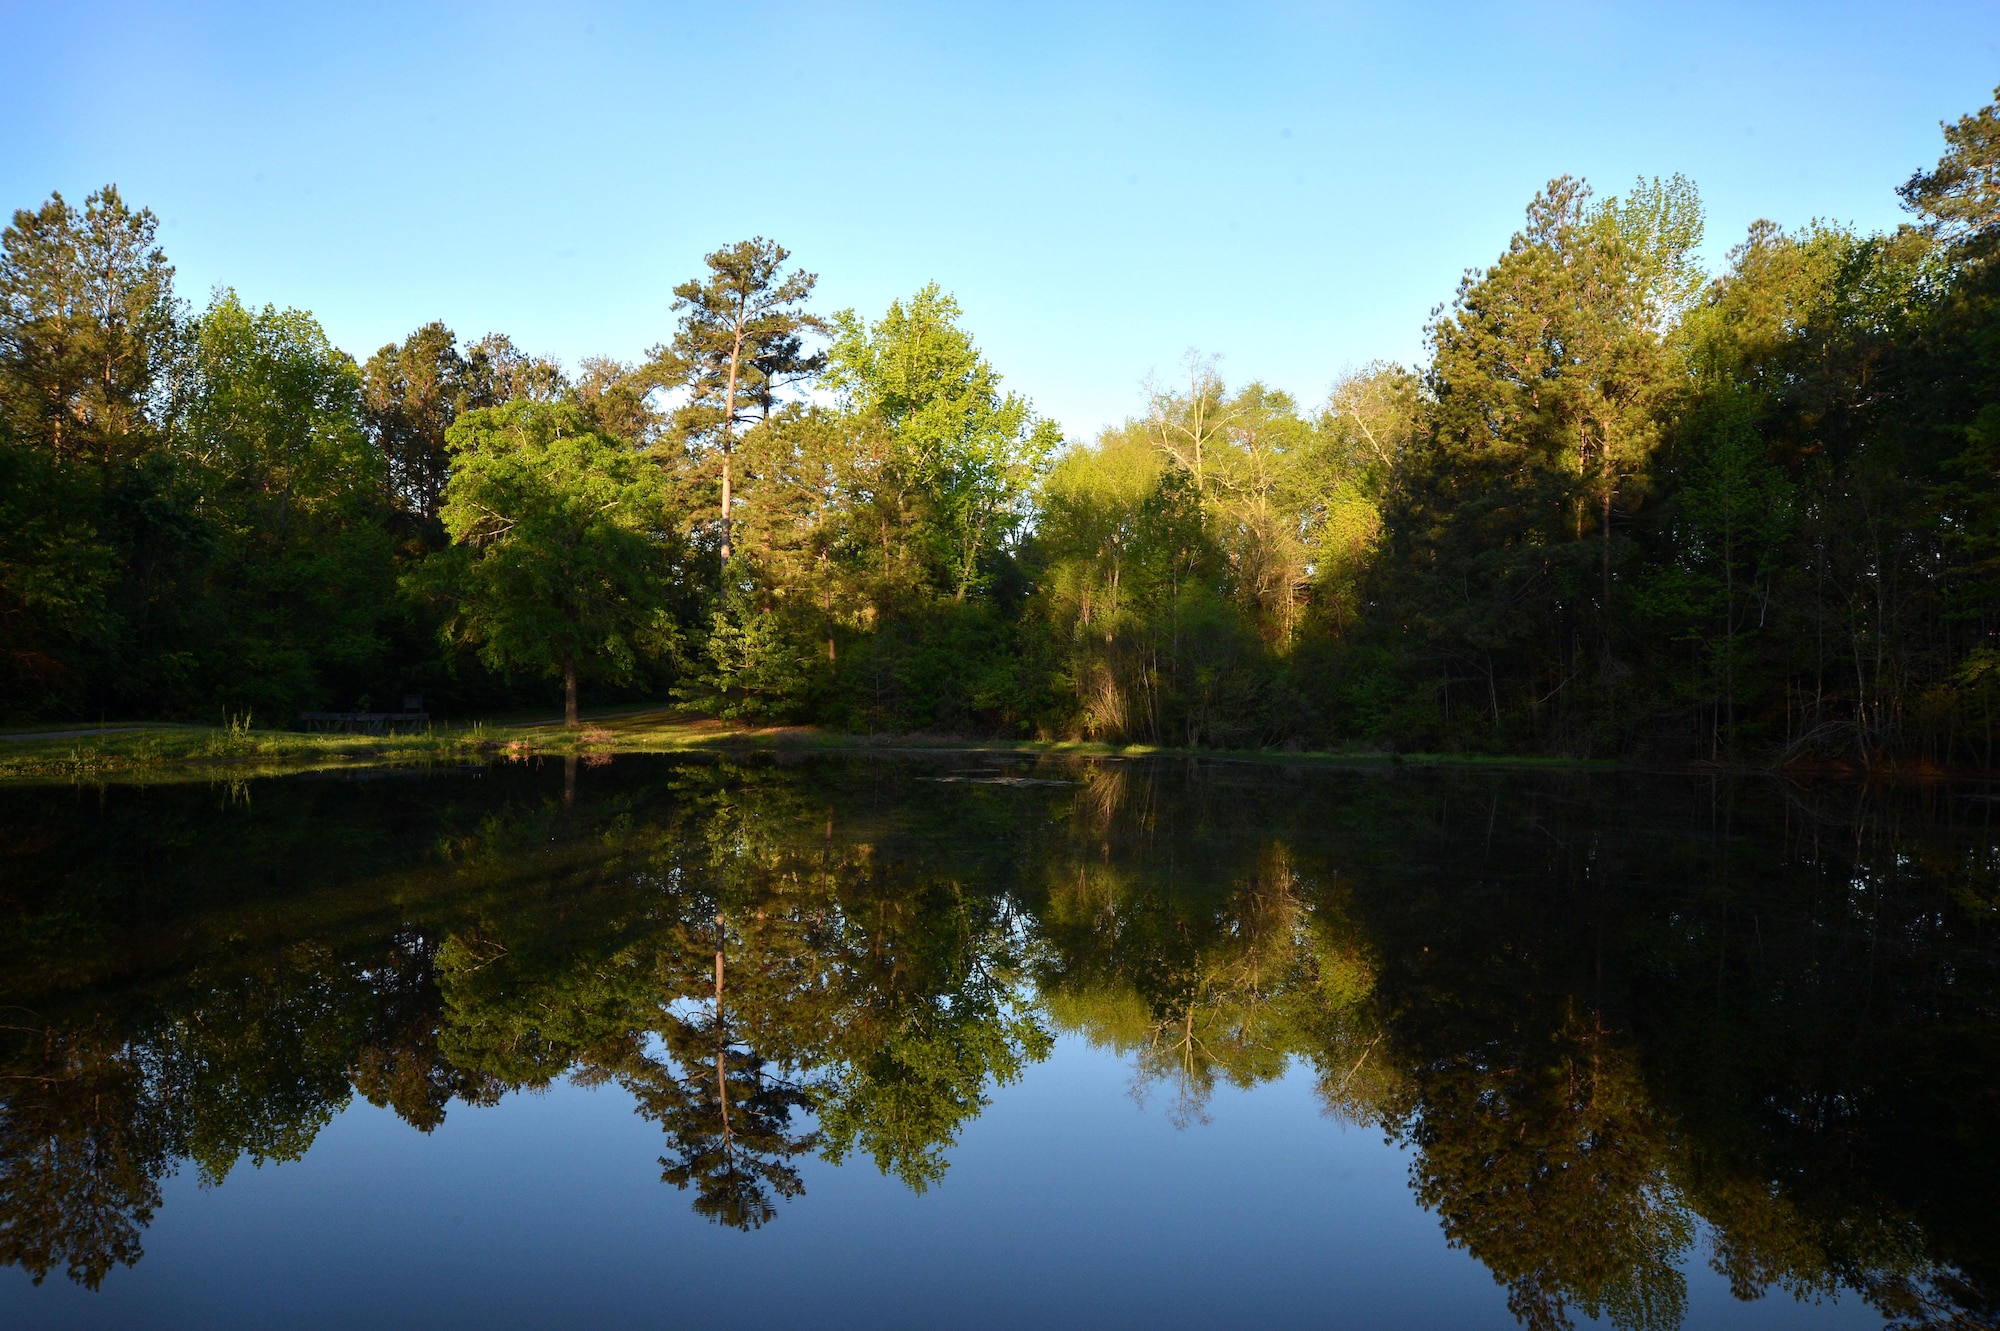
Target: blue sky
x=1104 y=187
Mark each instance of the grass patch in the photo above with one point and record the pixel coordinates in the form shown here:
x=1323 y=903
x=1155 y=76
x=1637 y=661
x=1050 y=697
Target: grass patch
x=165 y=752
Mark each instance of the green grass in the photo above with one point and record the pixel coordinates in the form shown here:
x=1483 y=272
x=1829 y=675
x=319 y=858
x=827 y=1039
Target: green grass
x=198 y=750
x=167 y=752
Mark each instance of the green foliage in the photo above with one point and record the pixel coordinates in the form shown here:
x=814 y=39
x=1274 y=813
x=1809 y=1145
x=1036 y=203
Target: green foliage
x=762 y=664
x=1725 y=536
x=1624 y=507
x=1549 y=385
x=740 y=344
x=269 y=424
x=413 y=394
x=87 y=328
x=1186 y=563
x=1960 y=196
x=962 y=458
x=56 y=579
x=563 y=547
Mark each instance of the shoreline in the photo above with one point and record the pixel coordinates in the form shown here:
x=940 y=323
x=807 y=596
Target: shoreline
x=163 y=751
x=143 y=752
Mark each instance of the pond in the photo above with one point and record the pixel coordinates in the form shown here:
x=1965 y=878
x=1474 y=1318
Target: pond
x=957 y=1039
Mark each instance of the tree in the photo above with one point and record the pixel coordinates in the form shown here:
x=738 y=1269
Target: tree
x=1188 y=426
x=267 y=425
x=772 y=638
x=88 y=334
x=87 y=327
x=615 y=398
x=272 y=412
x=741 y=341
x=1547 y=389
x=1725 y=529
x=56 y=578
x=413 y=393
x=561 y=546
x=1643 y=276
x=1960 y=196
x=961 y=449
x=502 y=373
x=1367 y=425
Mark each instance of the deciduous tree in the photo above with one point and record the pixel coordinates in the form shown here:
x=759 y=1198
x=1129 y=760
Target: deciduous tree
x=561 y=541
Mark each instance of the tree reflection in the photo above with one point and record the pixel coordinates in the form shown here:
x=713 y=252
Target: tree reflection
x=1607 y=1020
x=82 y=1150
x=730 y=1126
x=1552 y=1171
x=398 y=1063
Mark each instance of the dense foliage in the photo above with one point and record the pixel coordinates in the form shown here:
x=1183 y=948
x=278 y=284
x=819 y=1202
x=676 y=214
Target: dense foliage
x=1626 y=506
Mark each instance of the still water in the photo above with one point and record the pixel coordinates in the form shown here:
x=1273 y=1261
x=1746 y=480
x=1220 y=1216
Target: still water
x=937 y=1041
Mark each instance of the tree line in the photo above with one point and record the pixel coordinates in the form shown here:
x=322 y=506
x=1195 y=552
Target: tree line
x=1625 y=505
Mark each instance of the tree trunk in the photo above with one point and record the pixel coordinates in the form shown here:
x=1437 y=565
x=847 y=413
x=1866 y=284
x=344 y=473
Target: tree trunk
x=1729 y=626
x=569 y=691
x=725 y=487
x=827 y=607
x=729 y=427
x=569 y=796
x=1606 y=543
x=721 y=1038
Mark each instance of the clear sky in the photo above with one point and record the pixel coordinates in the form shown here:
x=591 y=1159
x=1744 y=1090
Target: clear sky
x=1104 y=187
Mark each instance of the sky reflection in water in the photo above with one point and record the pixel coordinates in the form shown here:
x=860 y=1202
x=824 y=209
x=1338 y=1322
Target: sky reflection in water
x=1126 y=1049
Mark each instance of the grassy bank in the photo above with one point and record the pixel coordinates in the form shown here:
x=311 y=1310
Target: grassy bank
x=181 y=752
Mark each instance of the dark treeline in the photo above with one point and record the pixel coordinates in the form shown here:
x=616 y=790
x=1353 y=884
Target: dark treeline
x=1626 y=506
x=1619 y=1022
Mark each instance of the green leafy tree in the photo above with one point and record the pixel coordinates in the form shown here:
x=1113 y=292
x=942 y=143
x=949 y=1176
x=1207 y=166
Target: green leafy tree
x=272 y=414
x=1181 y=559
x=57 y=578
x=1546 y=388
x=773 y=634
x=959 y=449
x=503 y=373
x=562 y=550
x=268 y=422
x=1367 y=424
x=88 y=339
x=413 y=392
x=1731 y=513
x=617 y=399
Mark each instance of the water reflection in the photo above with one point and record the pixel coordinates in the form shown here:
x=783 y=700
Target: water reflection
x=1615 y=1018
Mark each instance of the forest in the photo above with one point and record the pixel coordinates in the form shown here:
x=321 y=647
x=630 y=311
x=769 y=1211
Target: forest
x=1626 y=506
